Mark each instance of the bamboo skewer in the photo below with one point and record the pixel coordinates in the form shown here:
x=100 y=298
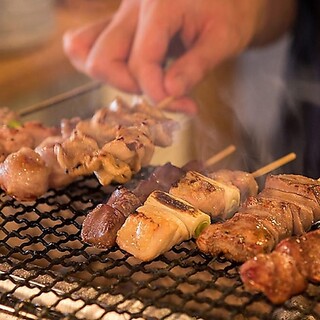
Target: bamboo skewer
x=219 y=156
x=163 y=104
x=274 y=165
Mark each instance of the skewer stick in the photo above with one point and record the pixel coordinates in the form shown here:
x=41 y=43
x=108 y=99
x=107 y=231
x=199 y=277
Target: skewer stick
x=165 y=102
x=274 y=165
x=219 y=156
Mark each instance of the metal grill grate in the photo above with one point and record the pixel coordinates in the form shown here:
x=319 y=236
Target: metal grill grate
x=46 y=272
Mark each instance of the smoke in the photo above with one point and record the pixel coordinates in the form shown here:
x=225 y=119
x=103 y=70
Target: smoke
x=259 y=91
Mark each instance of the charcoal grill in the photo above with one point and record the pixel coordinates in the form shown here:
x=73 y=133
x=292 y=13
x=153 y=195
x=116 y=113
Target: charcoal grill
x=47 y=272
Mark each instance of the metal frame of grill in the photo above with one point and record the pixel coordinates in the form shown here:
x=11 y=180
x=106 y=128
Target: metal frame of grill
x=47 y=272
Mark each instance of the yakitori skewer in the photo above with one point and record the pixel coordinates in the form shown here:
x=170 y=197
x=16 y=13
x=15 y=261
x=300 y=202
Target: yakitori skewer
x=287 y=206
x=102 y=223
x=168 y=218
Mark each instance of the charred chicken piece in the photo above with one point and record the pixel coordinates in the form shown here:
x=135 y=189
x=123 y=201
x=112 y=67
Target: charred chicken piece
x=263 y=221
x=210 y=196
x=162 y=222
x=24 y=175
x=287 y=270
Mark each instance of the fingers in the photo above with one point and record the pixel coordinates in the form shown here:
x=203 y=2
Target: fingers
x=148 y=56
x=78 y=43
x=107 y=60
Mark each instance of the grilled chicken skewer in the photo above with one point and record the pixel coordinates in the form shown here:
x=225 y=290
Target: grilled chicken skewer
x=67 y=154
x=101 y=225
x=288 y=205
x=287 y=270
x=116 y=142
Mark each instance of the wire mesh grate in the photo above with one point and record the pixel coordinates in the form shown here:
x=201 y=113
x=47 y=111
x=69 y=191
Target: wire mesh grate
x=47 y=272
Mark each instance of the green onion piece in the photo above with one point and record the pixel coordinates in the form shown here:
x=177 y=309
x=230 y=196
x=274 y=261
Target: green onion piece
x=14 y=124
x=200 y=228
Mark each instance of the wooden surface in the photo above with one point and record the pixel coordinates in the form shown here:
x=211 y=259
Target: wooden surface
x=44 y=70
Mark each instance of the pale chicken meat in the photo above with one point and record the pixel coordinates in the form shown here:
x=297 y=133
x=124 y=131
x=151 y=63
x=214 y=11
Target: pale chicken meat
x=68 y=125
x=215 y=198
x=38 y=131
x=244 y=181
x=58 y=177
x=108 y=168
x=75 y=154
x=287 y=270
x=265 y=220
x=161 y=223
x=24 y=175
x=133 y=146
x=13 y=139
x=149 y=232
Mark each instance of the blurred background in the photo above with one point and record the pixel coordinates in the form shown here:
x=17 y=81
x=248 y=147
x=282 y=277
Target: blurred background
x=33 y=68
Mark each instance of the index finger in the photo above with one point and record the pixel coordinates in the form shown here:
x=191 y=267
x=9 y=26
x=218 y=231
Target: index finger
x=149 y=52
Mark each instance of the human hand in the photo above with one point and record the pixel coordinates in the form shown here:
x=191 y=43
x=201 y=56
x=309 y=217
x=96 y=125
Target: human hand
x=131 y=50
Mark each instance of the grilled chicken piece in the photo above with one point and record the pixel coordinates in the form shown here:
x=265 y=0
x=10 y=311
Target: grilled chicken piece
x=150 y=232
x=303 y=209
x=13 y=139
x=262 y=222
x=8 y=117
x=131 y=145
x=244 y=181
x=75 y=154
x=58 y=177
x=24 y=175
x=212 y=197
x=100 y=226
x=162 y=222
x=287 y=270
x=38 y=131
x=194 y=219
x=239 y=238
x=297 y=184
x=68 y=125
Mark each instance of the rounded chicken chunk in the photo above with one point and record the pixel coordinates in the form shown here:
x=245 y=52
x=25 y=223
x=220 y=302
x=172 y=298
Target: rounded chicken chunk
x=24 y=175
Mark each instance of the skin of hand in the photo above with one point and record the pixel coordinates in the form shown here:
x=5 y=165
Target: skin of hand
x=130 y=50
